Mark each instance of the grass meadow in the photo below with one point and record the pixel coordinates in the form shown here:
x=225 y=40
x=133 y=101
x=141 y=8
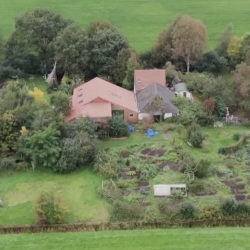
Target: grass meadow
x=78 y=191
x=139 y=20
x=170 y=239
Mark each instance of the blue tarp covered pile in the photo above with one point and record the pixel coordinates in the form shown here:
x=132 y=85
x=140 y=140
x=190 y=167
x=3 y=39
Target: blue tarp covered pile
x=131 y=129
x=151 y=133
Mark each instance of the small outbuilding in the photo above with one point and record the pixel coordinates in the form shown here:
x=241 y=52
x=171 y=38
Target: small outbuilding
x=180 y=89
x=167 y=190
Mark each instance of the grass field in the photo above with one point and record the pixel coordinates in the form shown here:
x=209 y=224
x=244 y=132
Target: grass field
x=170 y=239
x=140 y=20
x=79 y=192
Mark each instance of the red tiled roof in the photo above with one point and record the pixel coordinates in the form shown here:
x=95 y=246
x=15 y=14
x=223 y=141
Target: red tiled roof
x=106 y=93
x=143 y=78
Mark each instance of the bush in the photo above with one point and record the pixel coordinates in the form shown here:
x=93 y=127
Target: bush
x=236 y=137
x=195 y=136
x=202 y=169
x=126 y=211
x=205 y=146
x=187 y=210
x=229 y=206
x=117 y=126
x=49 y=209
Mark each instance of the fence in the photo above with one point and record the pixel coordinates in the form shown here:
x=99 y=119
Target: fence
x=131 y=225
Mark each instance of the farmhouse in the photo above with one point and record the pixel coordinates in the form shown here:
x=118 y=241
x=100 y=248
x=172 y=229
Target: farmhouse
x=163 y=190
x=146 y=98
x=180 y=89
x=143 y=78
x=99 y=100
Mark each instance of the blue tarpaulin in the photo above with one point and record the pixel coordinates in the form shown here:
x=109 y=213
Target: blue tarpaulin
x=151 y=133
x=131 y=129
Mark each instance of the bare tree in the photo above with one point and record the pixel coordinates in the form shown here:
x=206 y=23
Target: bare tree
x=189 y=39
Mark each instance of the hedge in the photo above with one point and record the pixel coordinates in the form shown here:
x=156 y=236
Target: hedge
x=234 y=147
x=131 y=225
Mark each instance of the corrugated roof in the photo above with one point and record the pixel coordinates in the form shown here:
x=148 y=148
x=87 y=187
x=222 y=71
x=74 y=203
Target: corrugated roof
x=145 y=96
x=143 y=78
x=179 y=87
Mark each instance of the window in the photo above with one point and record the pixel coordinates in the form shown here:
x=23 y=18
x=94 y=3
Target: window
x=80 y=95
x=185 y=94
x=131 y=115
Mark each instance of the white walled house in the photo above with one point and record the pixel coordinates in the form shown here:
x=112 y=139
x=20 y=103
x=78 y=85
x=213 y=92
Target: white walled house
x=180 y=89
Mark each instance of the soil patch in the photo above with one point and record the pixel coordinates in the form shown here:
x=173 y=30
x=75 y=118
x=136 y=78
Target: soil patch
x=240 y=197
x=126 y=154
x=143 y=184
x=153 y=152
x=235 y=188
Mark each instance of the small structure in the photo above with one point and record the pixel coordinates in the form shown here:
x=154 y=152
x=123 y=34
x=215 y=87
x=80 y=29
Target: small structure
x=180 y=89
x=52 y=78
x=163 y=190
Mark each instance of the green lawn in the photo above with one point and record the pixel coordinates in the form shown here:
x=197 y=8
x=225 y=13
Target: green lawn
x=170 y=239
x=78 y=190
x=141 y=21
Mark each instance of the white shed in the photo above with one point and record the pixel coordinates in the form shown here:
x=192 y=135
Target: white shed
x=181 y=90
x=166 y=190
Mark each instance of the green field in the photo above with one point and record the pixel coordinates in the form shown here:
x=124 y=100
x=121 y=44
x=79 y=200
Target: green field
x=79 y=192
x=170 y=239
x=140 y=20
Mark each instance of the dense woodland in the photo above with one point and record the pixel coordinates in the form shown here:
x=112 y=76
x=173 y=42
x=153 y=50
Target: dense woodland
x=33 y=133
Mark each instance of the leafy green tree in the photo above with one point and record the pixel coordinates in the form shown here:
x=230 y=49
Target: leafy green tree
x=42 y=147
x=189 y=39
x=2 y=44
x=162 y=51
x=195 y=135
x=120 y=65
x=70 y=50
x=132 y=64
x=211 y=62
x=60 y=102
x=117 y=126
x=8 y=131
x=224 y=40
x=103 y=45
x=38 y=29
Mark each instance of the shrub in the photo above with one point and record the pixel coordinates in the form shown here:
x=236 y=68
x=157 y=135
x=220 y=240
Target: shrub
x=147 y=171
x=117 y=126
x=236 y=137
x=49 y=209
x=229 y=206
x=187 y=210
x=209 y=105
x=7 y=163
x=126 y=211
x=194 y=134
x=205 y=146
x=177 y=195
x=162 y=205
x=202 y=169
x=127 y=163
x=171 y=157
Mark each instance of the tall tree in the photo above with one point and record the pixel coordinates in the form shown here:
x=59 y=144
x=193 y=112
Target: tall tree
x=189 y=39
x=38 y=29
x=70 y=50
x=103 y=44
x=162 y=52
x=224 y=40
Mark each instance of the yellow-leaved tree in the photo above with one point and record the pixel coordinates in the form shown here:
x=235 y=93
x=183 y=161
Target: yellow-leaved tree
x=233 y=49
x=23 y=130
x=37 y=94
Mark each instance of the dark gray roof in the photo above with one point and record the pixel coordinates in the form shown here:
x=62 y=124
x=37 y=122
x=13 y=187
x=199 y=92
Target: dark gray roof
x=145 y=96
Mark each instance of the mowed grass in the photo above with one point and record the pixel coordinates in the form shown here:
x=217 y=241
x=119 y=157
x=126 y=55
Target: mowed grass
x=78 y=191
x=170 y=239
x=140 y=20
